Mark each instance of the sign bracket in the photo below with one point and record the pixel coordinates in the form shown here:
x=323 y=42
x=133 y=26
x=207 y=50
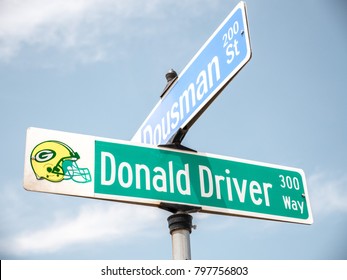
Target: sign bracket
x=177 y=208
x=175 y=142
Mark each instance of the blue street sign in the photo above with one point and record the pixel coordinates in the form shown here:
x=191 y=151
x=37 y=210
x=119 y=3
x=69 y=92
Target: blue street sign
x=211 y=69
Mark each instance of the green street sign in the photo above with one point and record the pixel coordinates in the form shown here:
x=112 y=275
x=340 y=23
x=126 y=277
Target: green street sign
x=143 y=174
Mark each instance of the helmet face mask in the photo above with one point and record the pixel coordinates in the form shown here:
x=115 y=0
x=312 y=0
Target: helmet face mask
x=75 y=173
x=55 y=161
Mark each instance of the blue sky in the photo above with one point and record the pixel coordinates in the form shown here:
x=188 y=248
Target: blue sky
x=98 y=68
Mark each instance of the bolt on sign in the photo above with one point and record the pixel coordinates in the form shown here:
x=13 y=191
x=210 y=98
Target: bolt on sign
x=100 y=168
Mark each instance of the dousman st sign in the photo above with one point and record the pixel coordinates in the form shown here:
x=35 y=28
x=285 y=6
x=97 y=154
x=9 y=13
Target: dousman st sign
x=201 y=81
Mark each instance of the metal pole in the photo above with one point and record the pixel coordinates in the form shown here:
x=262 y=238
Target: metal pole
x=180 y=225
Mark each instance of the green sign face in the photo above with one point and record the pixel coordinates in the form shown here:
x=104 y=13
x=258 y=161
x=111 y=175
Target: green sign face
x=217 y=184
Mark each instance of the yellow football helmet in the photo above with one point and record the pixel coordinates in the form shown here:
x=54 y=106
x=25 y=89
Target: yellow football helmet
x=55 y=161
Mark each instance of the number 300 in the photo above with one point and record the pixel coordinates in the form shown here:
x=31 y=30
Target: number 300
x=289 y=182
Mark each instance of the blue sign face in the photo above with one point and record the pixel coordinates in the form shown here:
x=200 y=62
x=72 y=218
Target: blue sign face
x=215 y=64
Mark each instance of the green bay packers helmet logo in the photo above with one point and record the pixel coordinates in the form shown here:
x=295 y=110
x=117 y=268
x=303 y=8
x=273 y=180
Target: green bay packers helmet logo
x=55 y=161
x=45 y=155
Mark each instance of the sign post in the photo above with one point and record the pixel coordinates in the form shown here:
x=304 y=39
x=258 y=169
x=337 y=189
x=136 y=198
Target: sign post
x=210 y=70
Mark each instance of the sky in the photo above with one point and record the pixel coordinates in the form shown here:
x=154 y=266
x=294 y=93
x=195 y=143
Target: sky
x=98 y=68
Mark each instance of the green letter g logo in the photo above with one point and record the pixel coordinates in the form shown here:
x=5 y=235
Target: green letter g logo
x=45 y=155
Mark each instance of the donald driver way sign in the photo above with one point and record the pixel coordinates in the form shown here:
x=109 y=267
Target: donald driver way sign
x=94 y=167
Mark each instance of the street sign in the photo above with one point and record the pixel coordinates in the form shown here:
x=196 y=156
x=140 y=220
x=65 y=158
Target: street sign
x=211 y=69
x=94 y=167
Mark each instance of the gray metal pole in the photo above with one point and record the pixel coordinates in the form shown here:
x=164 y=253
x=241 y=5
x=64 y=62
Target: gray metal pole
x=180 y=225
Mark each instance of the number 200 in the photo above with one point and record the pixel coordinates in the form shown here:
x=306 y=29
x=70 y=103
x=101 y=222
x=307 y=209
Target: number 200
x=229 y=35
x=289 y=182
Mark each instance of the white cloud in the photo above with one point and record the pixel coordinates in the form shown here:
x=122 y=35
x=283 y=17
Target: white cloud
x=92 y=224
x=58 y=23
x=328 y=193
x=76 y=26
